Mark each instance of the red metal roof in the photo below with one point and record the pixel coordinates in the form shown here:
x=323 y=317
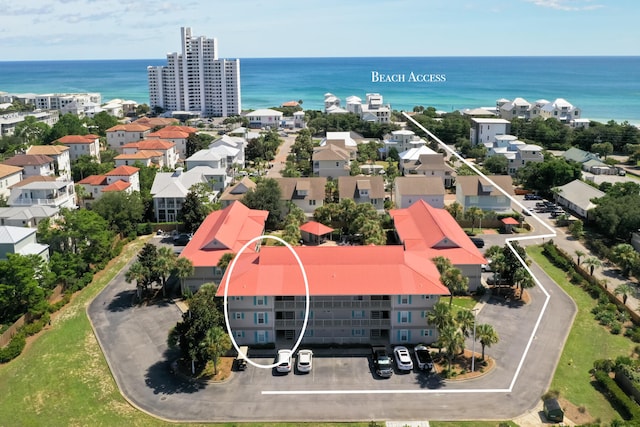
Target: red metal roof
x=224 y=231
x=315 y=228
x=510 y=221
x=331 y=270
x=434 y=232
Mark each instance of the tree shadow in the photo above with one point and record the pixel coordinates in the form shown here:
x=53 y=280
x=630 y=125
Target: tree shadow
x=506 y=299
x=123 y=301
x=163 y=377
x=429 y=380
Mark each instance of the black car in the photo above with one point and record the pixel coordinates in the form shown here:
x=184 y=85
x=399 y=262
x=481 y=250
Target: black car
x=478 y=242
x=530 y=196
x=182 y=239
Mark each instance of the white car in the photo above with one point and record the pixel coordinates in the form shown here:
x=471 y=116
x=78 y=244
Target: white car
x=403 y=358
x=284 y=361
x=487 y=266
x=305 y=360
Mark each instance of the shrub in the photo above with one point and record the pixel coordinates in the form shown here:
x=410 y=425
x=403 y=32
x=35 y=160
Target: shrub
x=627 y=408
x=605 y=365
x=14 y=348
x=616 y=328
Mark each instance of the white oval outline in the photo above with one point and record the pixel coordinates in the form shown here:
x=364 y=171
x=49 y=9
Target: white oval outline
x=226 y=290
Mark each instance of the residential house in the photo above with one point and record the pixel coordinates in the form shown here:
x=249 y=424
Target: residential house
x=32 y=164
x=519 y=108
x=126 y=174
x=428 y=163
x=410 y=189
x=176 y=134
x=236 y=192
x=306 y=193
x=577 y=197
x=170 y=189
x=234 y=147
x=167 y=150
x=9 y=175
x=341 y=139
x=517 y=153
x=81 y=145
x=561 y=110
x=122 y=178
x=60 y=156
x=372 y=110
x=156 y=122
x=485 y=130
x=474 y=190
x=264 y=118
x=146 y=158
x=403 y=140
x=362 y=189
x=119 y=135
x=222 y=232
x=331 y=160
x=590 y=162
x=215 y=159
x=43 y=191
x=21 y=240
x=27 y=216
x=331 y=102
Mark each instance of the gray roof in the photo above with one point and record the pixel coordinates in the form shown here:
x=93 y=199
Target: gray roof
x=580 y=194
x=177 y=184
x=10 y=234
x=419 y=185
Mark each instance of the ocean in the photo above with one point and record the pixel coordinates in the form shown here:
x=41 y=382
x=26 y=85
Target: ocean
x=605 y=88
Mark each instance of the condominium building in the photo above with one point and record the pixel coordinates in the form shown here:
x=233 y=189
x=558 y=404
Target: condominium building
x=195 y=80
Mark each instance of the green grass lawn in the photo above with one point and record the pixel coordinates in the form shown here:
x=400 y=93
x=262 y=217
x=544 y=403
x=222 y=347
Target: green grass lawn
x=587 y=342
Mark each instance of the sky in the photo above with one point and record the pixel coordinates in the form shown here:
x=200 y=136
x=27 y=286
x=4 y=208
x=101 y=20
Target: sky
x=133 y=29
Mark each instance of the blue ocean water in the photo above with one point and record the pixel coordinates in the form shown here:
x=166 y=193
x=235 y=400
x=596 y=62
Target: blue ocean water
x=605 y=88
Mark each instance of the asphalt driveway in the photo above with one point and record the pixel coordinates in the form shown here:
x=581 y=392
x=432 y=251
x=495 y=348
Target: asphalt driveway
x=341 y=387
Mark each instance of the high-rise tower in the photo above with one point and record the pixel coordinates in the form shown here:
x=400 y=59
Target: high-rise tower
x=195 y=80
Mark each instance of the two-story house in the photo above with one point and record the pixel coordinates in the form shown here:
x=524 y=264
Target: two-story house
x=410 y=189
x=215 y=159
x=236 y=192
x=32 y=164
x=474 y=190
x=43 y=191
x=122 y=178
x=60 y=156
x=21 y=240
x=9 y=175
x=81 y=145
x=119 y=135
x=264 y=118
x=306 y=193
x=167 y=149
x=331 y=160
x=170 y=189
x=485 y=130
x=362 y=189
x=176 y=134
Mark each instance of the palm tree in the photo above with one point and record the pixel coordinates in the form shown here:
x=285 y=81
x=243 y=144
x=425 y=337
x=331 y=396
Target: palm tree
x=592 y=262
x=183 y=269
x=486 y=335
x=217 y=343
x=625 y=256
x=474 y=213
x=164 y=264
x=455 y=209
x=579 y=254
x=225 y=260
x=455 y=282
x=625 y=289
x=452 y=339
x=465 y=320
x=523 y=280
x=440 y=316
x=442 y=264
x=138 y=273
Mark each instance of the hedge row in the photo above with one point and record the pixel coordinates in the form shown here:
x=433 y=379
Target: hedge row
x=627 y=408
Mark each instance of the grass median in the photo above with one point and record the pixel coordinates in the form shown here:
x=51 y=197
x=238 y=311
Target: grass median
x=587 y=342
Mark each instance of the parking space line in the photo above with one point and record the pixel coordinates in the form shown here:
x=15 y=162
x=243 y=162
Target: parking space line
x=399 y=391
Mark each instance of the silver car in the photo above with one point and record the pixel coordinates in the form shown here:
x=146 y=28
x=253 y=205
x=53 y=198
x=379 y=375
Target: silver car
x=403 y=358
x=305 y=361
x=284 y=361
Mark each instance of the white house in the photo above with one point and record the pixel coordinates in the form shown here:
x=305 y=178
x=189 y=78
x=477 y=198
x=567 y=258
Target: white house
x=119 y=135
x=27 y=216
x=264 y=118
x=403 y=140
x=561 y=110
x=331 y=161
x=167 y=149
x=32 y=164
x=176 y=134
x=9 y=175
x=81 y=145
x=43 y=191
x=170 y=189
x=60 y=156
x=485 y=130
x=215 y=159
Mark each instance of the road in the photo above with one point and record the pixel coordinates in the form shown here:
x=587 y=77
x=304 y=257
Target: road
x=340 y=388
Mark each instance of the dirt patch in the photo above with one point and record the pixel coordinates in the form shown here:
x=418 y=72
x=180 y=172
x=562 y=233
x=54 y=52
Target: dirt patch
x=578 y=414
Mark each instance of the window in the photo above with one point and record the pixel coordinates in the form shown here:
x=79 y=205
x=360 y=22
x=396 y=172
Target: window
x=426 y=332
x=357 y=314
x=404 y=299
x=312 y=202
x=260 y=318
x=259 y=300
x=261 y=337
x=403 y=335
x=404 y=317
x=238 y=316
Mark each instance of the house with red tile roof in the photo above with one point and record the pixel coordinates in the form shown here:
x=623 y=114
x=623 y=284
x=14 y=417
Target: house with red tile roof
x=122 y=178
x=358 y=294
x=81 y=145
x=154 y=122
x=146 y=158
x=176 y=134
x=165 y=147
x=119 y=135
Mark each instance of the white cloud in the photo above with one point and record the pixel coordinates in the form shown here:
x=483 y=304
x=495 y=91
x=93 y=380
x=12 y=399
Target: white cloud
x=567 y=5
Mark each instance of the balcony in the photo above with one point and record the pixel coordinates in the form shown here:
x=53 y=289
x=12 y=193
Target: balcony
x=333 y=323
x=299 y=305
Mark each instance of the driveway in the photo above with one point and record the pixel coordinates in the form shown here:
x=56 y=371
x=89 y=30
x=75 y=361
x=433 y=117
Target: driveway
x=341 y=386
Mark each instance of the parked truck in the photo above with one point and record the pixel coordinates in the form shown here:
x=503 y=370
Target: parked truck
x=381 y=361
x=425 y=362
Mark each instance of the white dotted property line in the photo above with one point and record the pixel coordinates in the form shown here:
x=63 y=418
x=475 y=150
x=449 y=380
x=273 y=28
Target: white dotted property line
x=508 y=241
